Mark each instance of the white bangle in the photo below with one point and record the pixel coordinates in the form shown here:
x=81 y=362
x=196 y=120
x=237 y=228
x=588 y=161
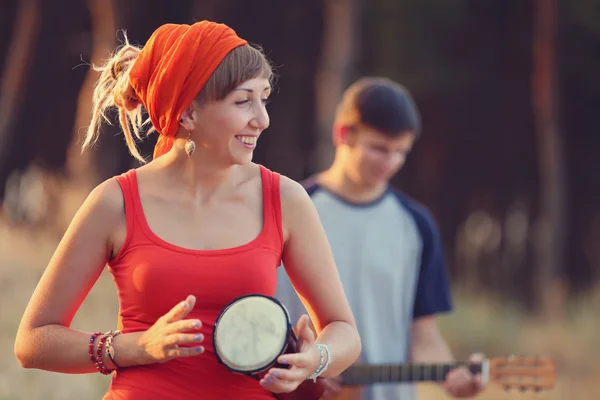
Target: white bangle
x=323 y=348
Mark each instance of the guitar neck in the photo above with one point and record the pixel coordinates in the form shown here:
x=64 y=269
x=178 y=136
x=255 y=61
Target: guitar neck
x=389 y=373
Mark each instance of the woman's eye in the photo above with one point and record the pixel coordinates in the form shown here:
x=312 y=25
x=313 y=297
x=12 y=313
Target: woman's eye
x=241 y=102
x=266 y=101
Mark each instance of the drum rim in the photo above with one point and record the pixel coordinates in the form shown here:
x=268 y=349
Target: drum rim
x=281 y=351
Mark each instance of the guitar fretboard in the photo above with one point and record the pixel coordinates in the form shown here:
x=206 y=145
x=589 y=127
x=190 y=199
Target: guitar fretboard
x=366 y=374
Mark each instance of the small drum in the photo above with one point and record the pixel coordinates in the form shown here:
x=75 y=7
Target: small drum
x=251 y=333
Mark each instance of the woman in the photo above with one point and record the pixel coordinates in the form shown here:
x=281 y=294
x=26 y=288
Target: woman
x=188 y=232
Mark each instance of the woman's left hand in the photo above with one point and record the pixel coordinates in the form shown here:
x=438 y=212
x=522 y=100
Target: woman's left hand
x=302 y=364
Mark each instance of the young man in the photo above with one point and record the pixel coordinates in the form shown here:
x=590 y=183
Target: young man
x=387 y=247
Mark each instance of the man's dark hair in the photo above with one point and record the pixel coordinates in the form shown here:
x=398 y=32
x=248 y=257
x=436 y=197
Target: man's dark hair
x=379 y=103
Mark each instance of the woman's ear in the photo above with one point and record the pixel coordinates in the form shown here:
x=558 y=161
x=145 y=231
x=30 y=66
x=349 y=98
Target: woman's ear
x=188 y=118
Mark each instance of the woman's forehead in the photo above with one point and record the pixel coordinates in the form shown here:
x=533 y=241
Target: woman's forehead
x=254 y=85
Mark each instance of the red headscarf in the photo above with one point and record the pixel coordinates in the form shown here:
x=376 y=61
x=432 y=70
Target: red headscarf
x=173 y=67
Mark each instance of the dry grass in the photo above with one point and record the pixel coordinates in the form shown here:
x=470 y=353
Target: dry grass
x=499 y=329
x=23 y=257
x=480 y=324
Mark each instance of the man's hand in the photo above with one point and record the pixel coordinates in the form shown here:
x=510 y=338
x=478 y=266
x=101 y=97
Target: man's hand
x=461 y=383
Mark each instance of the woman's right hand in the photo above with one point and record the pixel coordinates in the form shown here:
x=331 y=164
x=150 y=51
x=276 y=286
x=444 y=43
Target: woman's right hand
x=162 y=342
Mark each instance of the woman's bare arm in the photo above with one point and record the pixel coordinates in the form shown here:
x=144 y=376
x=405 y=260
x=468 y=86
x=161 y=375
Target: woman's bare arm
x=44 y=339
x=310 y=265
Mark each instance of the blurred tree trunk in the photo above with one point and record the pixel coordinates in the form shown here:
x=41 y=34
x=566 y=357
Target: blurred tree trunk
x=551 y=226
x=292 y=40
x=111 y=157
x=39 y=93
x=207 y=9
x=82 y=169
x=15 y=76
x=8 y=13
x=335 y=66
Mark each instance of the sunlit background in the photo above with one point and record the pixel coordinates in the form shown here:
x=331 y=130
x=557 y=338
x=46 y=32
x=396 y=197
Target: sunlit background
x=507 y=162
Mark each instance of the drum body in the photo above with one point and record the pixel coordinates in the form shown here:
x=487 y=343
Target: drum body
x=251 y=333
x=249 y=336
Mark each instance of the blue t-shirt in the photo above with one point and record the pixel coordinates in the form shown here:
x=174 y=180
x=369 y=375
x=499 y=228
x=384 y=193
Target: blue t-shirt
x=390 y=258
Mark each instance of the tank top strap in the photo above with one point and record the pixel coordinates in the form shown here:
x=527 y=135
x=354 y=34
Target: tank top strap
x=272 y=207
x=128 y=183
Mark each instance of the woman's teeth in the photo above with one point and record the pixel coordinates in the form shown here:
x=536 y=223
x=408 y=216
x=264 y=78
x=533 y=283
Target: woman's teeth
x=250 y=140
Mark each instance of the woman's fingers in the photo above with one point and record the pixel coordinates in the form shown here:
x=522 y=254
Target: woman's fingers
x=289 y=375
x=305 y=334
x=299 y=360
x=180 y=310
x=278 y=385
x=177 y=351
x=183 y=338
x=183 y=326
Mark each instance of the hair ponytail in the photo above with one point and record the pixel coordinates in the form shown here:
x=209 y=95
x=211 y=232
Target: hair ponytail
x=114 y=90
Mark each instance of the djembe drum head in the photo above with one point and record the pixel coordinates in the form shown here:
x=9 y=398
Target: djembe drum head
x=251 y=333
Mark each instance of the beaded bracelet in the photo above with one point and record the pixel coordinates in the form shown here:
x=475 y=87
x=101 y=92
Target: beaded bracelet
x=323 y=348
x=97 y=358
x=328 y=363
x=91 y=346
x=316 y=373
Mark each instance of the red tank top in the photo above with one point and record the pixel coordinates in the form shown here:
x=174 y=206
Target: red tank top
x=152 y=276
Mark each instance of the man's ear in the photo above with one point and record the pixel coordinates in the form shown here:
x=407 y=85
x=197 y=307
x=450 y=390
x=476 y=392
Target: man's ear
x=340 y=134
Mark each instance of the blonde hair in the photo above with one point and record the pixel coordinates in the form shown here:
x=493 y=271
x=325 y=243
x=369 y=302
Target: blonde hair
x=114 y=90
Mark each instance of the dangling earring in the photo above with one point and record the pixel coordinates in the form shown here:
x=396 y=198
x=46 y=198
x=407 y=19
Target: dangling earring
x=190 y=146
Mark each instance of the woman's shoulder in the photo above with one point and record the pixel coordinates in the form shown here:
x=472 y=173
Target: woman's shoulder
x=291 y=189
x=106 y=198
x=291 y=192
x=293 y=195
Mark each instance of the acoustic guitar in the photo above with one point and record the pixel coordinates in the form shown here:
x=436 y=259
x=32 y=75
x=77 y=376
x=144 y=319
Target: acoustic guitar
x=523 y=373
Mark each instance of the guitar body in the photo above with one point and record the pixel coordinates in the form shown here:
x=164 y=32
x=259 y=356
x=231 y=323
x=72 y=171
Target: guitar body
x=314 y=391
x=348 y=393
x=308 y=390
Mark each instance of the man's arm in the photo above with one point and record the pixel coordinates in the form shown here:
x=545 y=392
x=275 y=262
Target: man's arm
x=432 y=298
x=429 y=347
x=427 y=344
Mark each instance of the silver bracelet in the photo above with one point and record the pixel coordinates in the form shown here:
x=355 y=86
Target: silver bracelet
x=323 y=348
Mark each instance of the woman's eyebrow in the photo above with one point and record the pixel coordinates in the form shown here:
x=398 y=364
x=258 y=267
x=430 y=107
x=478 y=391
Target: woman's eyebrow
x=252 y=91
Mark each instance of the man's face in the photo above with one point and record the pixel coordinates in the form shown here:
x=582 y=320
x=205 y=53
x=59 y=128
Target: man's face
x=374 y=157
